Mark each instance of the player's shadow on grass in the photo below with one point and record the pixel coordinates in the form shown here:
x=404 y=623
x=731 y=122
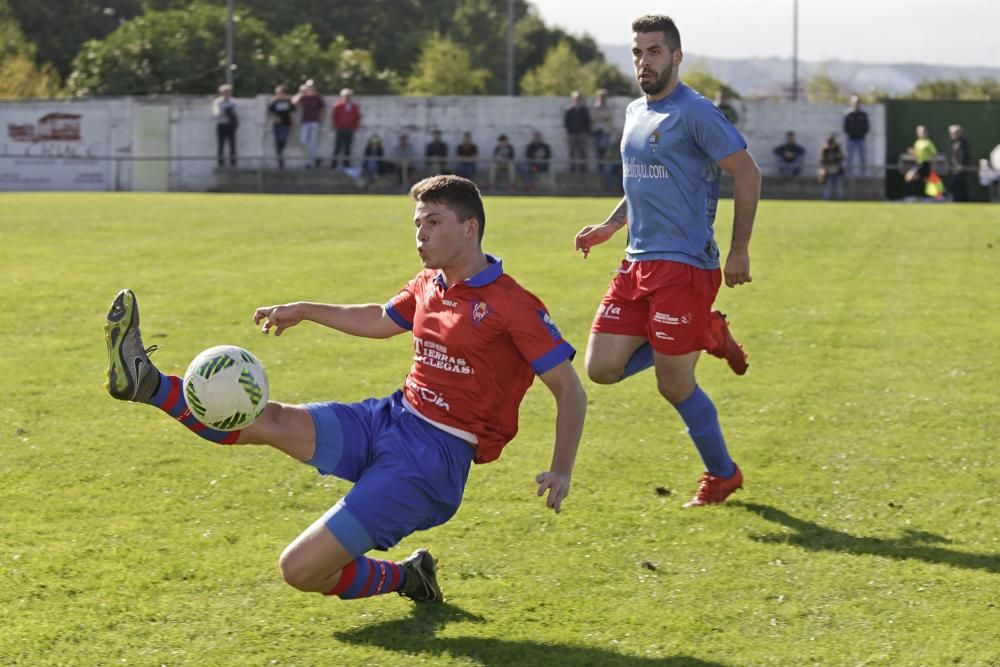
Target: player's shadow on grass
x=416 y=635
x=913 y=545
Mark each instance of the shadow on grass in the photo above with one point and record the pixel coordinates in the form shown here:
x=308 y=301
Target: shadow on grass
x=913 y=545
x=416 y=635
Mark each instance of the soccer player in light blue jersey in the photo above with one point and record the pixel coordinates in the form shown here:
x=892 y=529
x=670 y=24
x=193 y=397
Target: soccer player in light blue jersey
x=658 y=309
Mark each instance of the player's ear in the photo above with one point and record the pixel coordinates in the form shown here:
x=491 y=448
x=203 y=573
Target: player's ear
x=678 y=56
x=471 y=228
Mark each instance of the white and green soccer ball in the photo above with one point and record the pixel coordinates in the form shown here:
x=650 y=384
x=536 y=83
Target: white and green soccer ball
x=225 y=387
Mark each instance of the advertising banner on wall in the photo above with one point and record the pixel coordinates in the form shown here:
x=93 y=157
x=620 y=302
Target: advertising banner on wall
x=54 y=147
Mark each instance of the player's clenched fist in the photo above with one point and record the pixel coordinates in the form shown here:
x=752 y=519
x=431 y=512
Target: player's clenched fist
x=593 y=235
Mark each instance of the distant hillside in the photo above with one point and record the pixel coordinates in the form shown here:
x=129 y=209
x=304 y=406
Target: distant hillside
x=766 y=77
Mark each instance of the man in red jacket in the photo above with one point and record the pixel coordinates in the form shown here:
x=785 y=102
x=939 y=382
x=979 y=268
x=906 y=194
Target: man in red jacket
x=346 y=119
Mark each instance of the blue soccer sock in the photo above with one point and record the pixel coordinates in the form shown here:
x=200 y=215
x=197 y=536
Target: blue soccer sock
x=365 y=577
x=169 y=397
x=640 y=360
x=702 y=420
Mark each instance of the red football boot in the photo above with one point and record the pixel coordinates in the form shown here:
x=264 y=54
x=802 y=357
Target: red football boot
x=713 y=490
x=726 y=346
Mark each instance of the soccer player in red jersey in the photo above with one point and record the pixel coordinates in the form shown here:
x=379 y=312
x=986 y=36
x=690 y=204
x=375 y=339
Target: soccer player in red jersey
x=479 y=339
x=658 y=310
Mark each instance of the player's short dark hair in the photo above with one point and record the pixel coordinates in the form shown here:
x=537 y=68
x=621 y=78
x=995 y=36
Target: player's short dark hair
x=659 y=23
x=458 y=194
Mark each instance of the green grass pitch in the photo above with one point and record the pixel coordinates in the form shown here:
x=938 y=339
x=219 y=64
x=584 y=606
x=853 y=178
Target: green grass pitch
x=867 y=532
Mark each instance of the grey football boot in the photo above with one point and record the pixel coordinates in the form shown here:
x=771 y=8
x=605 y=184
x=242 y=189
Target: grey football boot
x=130 y=375
x=421 y=578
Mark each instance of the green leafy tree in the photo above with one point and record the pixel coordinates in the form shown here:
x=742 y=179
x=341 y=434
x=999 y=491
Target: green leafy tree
x=59 y=28
x=445 y=68
x=297 y=56
x=534 y=41
x=357 y=70
x=20 y=76
x=173 y=52
x=480 y=27
x=822 y=88
x=707 y=83
x=392 y=31
x=560 y=74
x=177 y=51
x=609 y=77
x=875 y=96
x=985 y=89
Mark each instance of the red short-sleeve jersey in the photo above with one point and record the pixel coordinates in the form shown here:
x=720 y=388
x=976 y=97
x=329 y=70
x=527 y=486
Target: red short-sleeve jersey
x=477 y=347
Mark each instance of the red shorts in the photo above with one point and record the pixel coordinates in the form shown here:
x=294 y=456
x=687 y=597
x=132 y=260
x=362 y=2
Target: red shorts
x=667 y=302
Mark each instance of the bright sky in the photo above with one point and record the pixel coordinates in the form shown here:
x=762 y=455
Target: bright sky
x=953 y=32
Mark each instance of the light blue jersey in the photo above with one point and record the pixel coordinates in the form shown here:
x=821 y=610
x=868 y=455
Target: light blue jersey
x=669 y=150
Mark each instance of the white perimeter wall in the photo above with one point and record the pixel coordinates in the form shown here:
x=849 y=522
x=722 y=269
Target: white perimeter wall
x=191 y=136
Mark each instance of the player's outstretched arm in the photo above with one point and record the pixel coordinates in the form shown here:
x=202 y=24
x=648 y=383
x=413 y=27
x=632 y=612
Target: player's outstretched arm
x=571 y=408
x=592 y=235
x=365 y=320
x=746 y=193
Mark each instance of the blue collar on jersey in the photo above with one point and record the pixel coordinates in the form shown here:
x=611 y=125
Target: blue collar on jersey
x=493 y=271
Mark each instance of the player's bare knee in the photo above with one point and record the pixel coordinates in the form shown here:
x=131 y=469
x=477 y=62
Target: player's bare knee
x=296 y=571
x=603 y=376
x=279 y=417
x=602 y=373
x=674 y=389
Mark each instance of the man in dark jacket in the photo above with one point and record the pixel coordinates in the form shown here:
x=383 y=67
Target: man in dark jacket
x=790 y=156
x=576 y=120
x=959 y=158
x=856 y=127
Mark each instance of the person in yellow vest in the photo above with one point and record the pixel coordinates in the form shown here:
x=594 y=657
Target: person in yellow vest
x=923 y=151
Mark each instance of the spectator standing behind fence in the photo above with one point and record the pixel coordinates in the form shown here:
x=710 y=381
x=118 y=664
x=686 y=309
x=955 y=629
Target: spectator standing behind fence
x=831 y=169
x=576 y=120
x=538 y=155
x=346 y=117
x=373 y=165
x=467 y=154
x=281 y=107
x=436 y=155
x=856 y=127
x=503 y=162
x=790 y=156
x=404 y=156
x=226 y=122
x=728 y=110
x=311 y=105
x=600 y=127
x=959 y=159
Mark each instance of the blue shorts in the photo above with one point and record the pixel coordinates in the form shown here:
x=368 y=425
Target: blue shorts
x=408 y=474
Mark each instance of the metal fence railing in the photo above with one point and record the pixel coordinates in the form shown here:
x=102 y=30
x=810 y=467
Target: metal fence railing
x=268 y=173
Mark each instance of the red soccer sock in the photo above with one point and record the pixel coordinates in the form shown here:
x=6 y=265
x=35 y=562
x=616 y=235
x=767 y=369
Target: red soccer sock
x=169 y=398
x=365 y=577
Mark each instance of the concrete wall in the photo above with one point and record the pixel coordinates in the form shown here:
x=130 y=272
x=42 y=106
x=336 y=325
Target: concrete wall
x=764 y=125
x=87 y=157
x=191 y=137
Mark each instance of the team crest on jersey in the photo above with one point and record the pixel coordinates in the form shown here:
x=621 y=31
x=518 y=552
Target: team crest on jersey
x=550 y=326
x=654 y=141
x=480 y=310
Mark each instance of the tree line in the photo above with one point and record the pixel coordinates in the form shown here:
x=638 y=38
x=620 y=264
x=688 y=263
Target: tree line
x=79 y=48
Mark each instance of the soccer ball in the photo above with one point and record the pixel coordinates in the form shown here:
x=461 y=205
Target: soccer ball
x=225 y=387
